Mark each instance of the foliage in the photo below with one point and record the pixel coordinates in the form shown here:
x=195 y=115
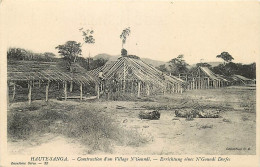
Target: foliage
x=70 y=51
x=126 y=32
x=162 y=68
x=88 y=36
x=246 y=70
x=23 y=54
x=225 y=56
x=178 y=65
x=203 y=65
x=90 y=126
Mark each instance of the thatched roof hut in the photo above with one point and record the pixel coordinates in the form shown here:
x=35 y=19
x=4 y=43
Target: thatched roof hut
x=133 y=74
x=44 y=73
x=204 y=78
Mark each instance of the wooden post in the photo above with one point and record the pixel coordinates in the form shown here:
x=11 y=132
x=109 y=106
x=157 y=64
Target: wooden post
x=148 y=90
x=39 y=83
x=65 y=90
x=124 y=82
x=13 y=92
x=71 y=86
x=81 y=92
x=139 y=89
x=181 y=89
x=98 y=93
x=30 y=92
x=47 y=91
x=178 y=88
x=208 y=84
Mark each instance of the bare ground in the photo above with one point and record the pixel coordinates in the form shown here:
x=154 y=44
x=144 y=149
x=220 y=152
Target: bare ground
x=233 y=133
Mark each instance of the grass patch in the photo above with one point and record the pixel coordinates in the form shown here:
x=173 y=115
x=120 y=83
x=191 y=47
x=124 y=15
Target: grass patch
x=84 y=122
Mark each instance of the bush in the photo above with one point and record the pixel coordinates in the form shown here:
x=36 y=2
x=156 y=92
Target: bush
x=87 y=124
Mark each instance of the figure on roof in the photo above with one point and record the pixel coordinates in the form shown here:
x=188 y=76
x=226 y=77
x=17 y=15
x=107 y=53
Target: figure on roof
x=101 y=76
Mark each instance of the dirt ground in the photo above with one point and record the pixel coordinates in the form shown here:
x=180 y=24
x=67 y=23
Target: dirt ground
x=234 y=132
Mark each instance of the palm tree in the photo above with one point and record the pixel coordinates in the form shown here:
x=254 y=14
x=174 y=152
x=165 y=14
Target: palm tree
x=126 y=32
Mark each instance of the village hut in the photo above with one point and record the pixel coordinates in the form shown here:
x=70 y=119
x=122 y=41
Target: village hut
x=129 y=74
x=35 y=78
x=241 y=80
x=204 y=78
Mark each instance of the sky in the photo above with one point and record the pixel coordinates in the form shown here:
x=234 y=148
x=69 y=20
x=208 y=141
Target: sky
x=160 y=30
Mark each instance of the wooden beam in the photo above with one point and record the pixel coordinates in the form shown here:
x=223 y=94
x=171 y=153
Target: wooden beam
x=81 y=94
x=148 y=90
x=65 y=90
x=139 y=89
x=98 y=93
x=13 y=92
x=30 y=92
x=71 y=86
x=47 y=91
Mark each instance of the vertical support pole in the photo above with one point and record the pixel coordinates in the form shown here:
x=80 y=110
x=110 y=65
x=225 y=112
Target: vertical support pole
x=181 y=88
x=139 y=89
x=124 y=82
x=13 y=92
x=65 y=90
x=98 y=93
x=71 y=86
x=208 y=84
x=132 y=86
x=30 y=92
x=47 y=91
x=39 y=83
x=148 y=89
x=81 y=91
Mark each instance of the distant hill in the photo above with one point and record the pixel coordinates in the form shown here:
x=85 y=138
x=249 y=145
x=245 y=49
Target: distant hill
x=108 y=57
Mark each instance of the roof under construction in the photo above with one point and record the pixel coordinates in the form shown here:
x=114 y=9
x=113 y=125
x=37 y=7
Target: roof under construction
x=33 y=70
x=126 y=68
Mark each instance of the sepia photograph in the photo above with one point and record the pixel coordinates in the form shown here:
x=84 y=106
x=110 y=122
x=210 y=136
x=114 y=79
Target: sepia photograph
x=157 y=80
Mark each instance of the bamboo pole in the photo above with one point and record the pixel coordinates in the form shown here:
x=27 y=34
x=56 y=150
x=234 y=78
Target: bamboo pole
x=47 y=91
x=81 y=92
x=65 y=90
x=13 y=92
x=148 y=90
x=139 y=89
x=71 y=86
x=98 y=93
x=30 y=92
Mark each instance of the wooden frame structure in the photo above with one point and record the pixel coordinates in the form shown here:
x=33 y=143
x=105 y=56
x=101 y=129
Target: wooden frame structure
x=204 y=78
x=45 y=74
x=132 y=75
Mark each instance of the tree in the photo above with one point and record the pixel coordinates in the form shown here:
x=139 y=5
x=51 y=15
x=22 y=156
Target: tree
x=226 y=57
x=162 y=68
x=178 y=65
x=88 y=37
x=203 y=65
x=70 y=52
x=126 y=32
